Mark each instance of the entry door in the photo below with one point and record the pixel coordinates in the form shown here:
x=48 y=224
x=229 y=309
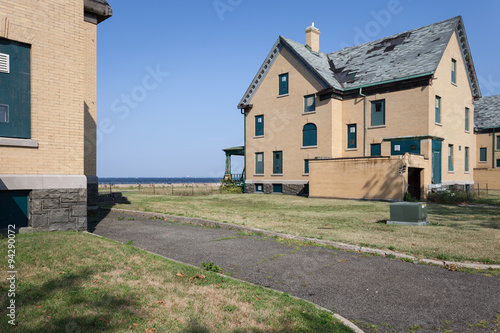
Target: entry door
x=13 y=209
x=436 y=162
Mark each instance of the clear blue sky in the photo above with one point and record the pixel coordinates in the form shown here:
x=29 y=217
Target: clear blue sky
x=171 y=73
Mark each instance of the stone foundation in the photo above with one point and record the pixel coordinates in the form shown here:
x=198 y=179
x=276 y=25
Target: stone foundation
x=287 y=189
x=58 y=210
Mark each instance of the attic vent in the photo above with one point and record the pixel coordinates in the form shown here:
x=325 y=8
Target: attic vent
x=4 y=63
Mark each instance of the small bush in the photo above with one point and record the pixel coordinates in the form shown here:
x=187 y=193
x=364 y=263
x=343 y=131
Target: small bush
x=211 y=267
x=229 y=187
x=451 y=197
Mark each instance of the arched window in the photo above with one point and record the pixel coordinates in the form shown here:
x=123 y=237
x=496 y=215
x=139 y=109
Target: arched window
x=309 y=135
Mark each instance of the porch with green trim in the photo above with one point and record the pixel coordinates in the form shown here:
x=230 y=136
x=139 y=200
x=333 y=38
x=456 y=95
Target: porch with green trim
x=230 y=152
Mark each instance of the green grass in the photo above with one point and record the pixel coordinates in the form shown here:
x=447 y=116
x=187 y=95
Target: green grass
x=76 y=282
x=460 y=233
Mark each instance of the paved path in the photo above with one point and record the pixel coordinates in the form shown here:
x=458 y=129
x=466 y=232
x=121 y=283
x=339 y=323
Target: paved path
x=391 y=294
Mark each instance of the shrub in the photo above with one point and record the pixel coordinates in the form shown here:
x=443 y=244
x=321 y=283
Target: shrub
x=451 y=197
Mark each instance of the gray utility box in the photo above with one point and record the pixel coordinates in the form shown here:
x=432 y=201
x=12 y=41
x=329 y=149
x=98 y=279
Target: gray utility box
x=408 y=213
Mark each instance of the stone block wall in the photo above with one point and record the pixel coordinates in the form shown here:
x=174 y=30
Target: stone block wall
x=58 y=210
x=288 y=189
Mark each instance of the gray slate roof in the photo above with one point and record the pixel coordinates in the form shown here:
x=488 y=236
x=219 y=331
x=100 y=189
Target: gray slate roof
x=411 y=53
x=487 y=112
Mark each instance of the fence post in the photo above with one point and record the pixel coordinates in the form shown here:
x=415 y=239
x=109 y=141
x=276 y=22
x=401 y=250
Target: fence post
x=110 y=191
x=486 y=188
x=154 y=190
x=139 y=187
x=172 y=188
x=478 y=194
x=192 y=189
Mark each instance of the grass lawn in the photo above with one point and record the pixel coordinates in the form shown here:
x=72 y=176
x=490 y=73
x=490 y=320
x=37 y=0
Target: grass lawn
x=76 y=282
x=463 y=233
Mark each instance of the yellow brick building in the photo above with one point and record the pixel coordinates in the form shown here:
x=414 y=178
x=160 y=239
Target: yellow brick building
x=48 y=112
x=377 y=120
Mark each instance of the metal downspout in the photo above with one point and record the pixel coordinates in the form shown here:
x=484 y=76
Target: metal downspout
x=493 y=151
x=364 y=122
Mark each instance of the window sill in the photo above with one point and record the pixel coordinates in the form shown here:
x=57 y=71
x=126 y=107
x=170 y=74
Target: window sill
x=308 y=147
x=22 y=143
x=468 y=132
x=453 y=83
x=451 y=171
x=482 y=162
x=377 y=126
x=279 y=96
x=259 y=175
x=310 y=112
x=277 y=175
x=258 y=136
x=438 y=124
x=467 y=172
x=305 y=174
x=351 y=149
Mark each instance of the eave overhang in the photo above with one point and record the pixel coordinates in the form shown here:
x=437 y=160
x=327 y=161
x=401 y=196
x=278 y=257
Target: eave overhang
x=96 y=11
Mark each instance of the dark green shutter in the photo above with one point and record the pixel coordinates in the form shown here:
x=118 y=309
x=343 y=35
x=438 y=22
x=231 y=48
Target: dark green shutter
x=466 y=159
x=306 y=166
x=437 y=115
x=283 y=84
x=450 y=157
x=309 y=103
x=351 y=136
x=309 y=135
x=376 y=149
x=483 y=153
x=259 y=125
x=467 y=119
x=378 y=113
x=13 y=209
x=259 y=163
x=436 y=161
x=278 y=162
x=15 y=91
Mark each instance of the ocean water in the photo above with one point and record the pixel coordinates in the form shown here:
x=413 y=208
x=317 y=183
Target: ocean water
x=151 y=180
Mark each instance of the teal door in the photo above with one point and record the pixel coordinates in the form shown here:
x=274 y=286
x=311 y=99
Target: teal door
x=13 y=209
x=436 y=162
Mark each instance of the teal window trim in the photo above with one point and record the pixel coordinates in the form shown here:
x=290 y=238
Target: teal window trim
x=453 y=71
x=309 y=135
x=483 y=154
x=437 y=113
x=283 y=84
x=277 y=162
x=309 y=103
x=259 y=188
x=259 y=163
x=466 y=152
x=259 y=125
x=450 y=157
x=306 y=167
x=378 y=113
x=277 y=188
x=351 y=136
x=498 y=142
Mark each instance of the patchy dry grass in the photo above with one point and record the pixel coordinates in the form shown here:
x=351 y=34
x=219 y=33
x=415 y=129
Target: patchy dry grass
x=465 y=233
x=74 y=282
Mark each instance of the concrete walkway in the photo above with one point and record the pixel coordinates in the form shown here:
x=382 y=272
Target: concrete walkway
x=385 y=294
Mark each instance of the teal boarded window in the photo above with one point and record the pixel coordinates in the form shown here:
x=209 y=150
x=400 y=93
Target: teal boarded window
x=14 y=209
x=450 y=157
x=259 y=163
x=309 y=135
x=277 y=188
x=259 y=188
x=277 y=162
x=351 y=136
x=483 y=153
x=15 y=91
x=498 y=163
x=466 y=159
x=283 y=84
x=306 y=166
x=405 y=146
x=375 y=149
x=467 y=119
x=378 y=113
x=309 y=103
x=259 y=125
x=437 y=113
x=498 y=142
x=453 y=71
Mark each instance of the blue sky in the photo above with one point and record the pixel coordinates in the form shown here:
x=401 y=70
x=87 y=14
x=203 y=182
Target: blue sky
x=171 y=73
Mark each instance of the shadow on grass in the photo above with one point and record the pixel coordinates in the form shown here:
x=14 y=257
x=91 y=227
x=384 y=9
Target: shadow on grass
x=480 y=217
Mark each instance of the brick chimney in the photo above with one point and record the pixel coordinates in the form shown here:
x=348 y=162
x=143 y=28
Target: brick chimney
x=312 y=38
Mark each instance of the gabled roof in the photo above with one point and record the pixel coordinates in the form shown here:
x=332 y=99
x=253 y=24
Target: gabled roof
x=410 y=54
x=487 y=113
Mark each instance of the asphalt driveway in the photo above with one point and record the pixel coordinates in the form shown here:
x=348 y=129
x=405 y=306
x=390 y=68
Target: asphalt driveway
x=377 y=293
